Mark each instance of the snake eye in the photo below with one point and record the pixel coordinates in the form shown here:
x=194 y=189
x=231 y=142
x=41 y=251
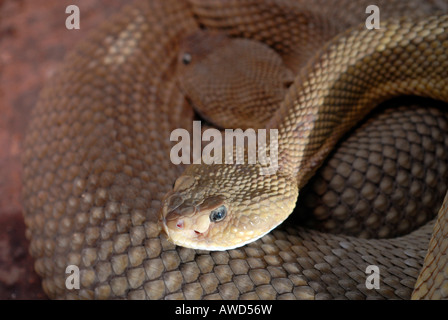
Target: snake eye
x=186 y=58
x=218 y=214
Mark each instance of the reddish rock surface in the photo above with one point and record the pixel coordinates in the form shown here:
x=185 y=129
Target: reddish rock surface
x=33 y=42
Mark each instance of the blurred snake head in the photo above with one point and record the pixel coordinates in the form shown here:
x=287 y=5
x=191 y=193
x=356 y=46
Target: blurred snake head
x=220 y=207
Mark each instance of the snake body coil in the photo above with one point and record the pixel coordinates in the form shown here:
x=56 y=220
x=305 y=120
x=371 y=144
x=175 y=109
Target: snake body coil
x=96 y=166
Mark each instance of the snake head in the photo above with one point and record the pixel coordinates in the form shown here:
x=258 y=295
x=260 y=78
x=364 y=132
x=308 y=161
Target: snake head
x=220 y=207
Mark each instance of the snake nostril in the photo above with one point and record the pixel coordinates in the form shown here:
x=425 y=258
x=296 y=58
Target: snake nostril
x=180 y=224
x=197 y=232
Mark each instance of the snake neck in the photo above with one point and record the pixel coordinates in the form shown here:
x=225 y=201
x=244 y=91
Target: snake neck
x=346 y=83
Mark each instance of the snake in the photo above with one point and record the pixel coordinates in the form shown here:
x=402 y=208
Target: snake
x=97 y=172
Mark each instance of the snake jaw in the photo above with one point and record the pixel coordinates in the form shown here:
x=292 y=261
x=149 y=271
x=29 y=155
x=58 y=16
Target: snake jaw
x=178 y=221
x=181 y=219
x=183 y=230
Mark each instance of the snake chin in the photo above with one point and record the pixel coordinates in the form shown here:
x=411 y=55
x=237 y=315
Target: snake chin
x=193 y=229
x=200 y=242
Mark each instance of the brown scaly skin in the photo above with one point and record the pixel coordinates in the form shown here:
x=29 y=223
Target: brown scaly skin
x=96 y=168
x=309 y=124
x=205 y=81
x=382 y=181
x=253 y=207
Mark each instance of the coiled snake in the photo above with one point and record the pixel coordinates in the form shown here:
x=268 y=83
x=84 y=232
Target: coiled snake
x=96 y=164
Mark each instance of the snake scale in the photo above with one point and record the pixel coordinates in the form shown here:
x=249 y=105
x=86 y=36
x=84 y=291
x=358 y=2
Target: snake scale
x=96 y=164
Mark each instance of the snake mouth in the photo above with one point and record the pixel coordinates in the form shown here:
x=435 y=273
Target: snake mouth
x=189 y=238
x=177 y=225
x=174 y=223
